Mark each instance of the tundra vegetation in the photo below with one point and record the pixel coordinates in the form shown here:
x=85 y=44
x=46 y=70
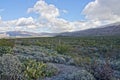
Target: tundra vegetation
x=60 y=58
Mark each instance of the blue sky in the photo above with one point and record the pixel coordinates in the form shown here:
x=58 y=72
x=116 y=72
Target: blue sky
x=57 y=15
x=74 y=8
x=18 y=8
x=15 y=8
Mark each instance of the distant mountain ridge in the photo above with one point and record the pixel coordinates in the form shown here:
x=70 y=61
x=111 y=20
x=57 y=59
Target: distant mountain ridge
x=19 y=33
x=27 y=34
x=107 y=30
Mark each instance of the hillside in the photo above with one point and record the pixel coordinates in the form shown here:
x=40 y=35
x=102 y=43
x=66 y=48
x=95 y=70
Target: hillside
x=107 y=30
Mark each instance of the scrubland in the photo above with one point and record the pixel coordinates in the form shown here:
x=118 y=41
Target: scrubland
x=60 y=58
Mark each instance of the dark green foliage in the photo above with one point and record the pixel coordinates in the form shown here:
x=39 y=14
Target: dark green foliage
x=6 y=46
x=5 y=50
x=62 y=49
x=7 y=42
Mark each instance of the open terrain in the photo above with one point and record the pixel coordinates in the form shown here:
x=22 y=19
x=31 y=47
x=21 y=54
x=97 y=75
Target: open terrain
x=60 y=58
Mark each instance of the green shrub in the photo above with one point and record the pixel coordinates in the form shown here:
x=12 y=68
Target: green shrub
x=35 y=70
x=82 y=61
x=5 y=50
x=6 y=46
x=7 y=42
x=62 y=49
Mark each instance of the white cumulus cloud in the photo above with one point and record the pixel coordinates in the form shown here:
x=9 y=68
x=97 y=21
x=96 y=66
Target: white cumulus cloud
x=104 y=10
x=45 y=10
x=18 y=24
x=48 y=15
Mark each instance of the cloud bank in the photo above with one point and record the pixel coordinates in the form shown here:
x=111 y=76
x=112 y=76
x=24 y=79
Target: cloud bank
x=97 y=13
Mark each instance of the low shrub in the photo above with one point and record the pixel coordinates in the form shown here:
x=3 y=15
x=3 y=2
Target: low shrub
x=82 y=61
x=51 y=70
x=80 y=75
x=33 y=69
x=38 y=70
x=10 y=67
x=6 y=46
x=102 y=71
x=7 y=42
x=5 y=50
x=62 y=49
